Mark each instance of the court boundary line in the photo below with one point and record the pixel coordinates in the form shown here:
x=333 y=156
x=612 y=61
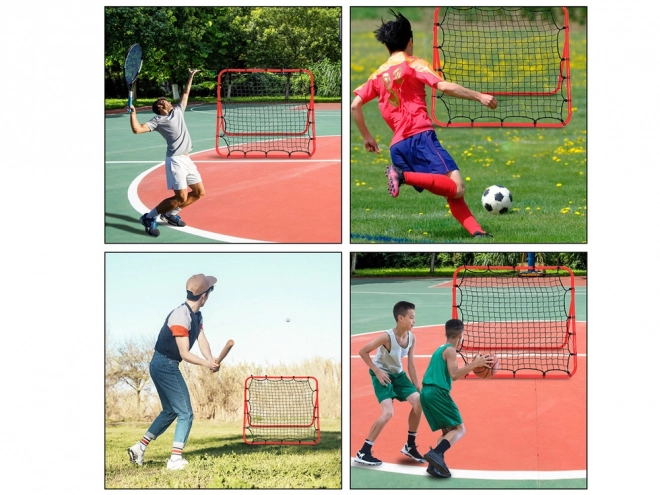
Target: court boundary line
x=141 y=208
x=480 y=474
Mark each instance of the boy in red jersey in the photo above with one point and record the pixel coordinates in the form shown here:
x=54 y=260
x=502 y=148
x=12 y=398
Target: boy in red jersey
x=418 y=159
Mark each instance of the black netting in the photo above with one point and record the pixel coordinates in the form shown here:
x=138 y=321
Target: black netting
x=520 y=55
x=281 y=410
x=525 y=319
x=265 y=113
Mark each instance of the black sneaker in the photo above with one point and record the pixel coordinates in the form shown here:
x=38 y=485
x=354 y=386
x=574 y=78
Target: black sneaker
x=438 y=461
x=411 y=451
x=480 y=235
x=150 y=225
x=434 y=472
x=173 y=220
x=367 y=458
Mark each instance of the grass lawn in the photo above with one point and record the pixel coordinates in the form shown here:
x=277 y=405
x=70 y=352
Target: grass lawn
x=545 y=169
x=218 y=458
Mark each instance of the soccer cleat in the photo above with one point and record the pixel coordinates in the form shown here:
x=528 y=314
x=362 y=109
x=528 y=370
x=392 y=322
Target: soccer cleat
x=136 y=454
x=367 y=458
x=480 y=235
x=412 y=453
x=150 y=225
x=434 y=472
x=437 y=461
x=178 y=464
x=394 y=179
x=173 y=220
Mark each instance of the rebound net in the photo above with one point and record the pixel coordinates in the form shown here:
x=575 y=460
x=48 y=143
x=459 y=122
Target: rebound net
x=281 y=410
x=526 y=318
x=518 y=54
x=266 y=113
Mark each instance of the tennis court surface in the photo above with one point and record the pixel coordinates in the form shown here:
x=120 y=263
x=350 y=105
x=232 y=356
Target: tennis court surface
x=252 y=200
x=520 y=433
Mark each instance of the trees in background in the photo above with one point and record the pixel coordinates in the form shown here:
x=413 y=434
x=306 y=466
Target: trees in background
x=174 y=39
x=433 y=260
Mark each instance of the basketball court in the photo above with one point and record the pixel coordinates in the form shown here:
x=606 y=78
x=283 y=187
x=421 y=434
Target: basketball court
x=520 y=433
x=253 y=200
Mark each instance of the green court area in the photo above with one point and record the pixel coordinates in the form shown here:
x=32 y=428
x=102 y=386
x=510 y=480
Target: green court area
x=129 y=156
x=372 y=300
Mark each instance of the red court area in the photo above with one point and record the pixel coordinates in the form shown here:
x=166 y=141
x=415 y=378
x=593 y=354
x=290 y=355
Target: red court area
x=273 y=200
x=511 y=424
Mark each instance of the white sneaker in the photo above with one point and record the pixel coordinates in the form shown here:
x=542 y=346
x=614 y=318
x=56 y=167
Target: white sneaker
x=136 y=454
x=178 y=464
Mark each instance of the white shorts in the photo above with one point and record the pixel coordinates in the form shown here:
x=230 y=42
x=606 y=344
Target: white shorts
x=181 y=171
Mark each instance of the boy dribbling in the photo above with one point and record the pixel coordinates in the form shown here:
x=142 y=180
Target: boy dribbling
x=391 y=382
x=439 y=408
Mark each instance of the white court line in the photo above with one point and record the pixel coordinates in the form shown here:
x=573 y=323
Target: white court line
x=419 y=326
x=479 y=474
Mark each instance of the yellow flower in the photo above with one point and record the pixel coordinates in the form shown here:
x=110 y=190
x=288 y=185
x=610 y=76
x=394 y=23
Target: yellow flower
x=559 y=184
x=467 y=178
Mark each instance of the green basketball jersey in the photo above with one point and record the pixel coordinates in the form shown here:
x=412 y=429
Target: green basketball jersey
x=437 y=374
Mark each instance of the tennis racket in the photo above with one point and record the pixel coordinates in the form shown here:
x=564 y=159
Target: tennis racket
x=132 y=66
x=225 y=351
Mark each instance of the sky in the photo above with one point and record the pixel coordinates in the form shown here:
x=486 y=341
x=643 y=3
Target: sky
x=254 y=296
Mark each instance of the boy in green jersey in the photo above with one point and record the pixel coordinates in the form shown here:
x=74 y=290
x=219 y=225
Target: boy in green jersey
x=439 y=408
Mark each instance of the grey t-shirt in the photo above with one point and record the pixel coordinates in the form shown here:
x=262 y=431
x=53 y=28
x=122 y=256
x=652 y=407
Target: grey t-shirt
x=173 y=128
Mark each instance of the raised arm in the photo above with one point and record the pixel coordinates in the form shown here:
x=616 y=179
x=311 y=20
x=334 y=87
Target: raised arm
x=136 y=127
x=458 y=91
x=358 y=117
x=184 y=96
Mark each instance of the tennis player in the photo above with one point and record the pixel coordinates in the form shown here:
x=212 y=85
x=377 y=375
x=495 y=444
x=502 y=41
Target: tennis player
x=180 y=170
x=418 y=159
x=439 y=408
x=391 y=382
x=182 y=328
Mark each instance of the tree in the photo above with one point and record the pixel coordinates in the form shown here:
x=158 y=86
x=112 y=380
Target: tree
x=130 y=365
x=290 y=37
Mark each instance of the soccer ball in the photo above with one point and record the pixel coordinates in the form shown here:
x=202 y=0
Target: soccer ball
x=497 y=199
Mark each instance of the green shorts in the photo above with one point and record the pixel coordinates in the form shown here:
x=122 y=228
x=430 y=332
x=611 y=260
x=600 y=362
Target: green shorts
x=439 y=408
x=399 y=388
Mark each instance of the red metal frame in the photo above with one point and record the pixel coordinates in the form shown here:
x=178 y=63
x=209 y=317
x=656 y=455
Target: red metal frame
x=571 y=324
x=310 y=111
x=564 y=68
x=316 y=419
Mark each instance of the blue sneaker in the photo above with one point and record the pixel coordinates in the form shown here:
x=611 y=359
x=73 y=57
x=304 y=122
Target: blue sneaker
x=150 y=225
x=173 y=220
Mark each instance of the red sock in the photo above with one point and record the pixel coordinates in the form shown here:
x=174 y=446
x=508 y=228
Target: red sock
x=462 y=213
x=434 y=183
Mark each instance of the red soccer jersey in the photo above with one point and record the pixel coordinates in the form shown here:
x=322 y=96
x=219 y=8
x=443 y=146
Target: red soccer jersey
x=399 y=86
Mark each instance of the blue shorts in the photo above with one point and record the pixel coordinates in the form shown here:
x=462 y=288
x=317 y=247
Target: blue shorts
x=422 y=153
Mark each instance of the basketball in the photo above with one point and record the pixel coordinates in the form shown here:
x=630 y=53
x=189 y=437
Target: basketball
x=485 y=372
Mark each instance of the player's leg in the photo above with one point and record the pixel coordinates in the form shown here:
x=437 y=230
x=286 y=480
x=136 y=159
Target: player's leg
x=180 y=400
x=414 y=418
x=160 y=377
x=421 y=162
x=460 y=210
x=441 y=413
x=364 y=455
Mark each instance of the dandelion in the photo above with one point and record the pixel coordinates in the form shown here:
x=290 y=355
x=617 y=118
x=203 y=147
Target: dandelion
x=368 y=209
x=559 y=184
x=426 y=233
x=577 y=212
x=421 y=212
x=467 y=178
x=363 y=184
